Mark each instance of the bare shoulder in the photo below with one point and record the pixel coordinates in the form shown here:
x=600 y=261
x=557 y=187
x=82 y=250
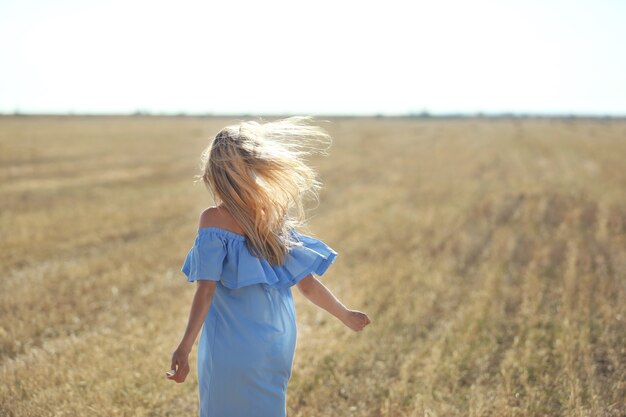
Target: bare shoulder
x=209 y=217
x=218 y=216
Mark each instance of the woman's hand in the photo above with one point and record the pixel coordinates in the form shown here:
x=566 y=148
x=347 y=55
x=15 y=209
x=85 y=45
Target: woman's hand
x=356 y=320
x=180 y=366
x=321 y=296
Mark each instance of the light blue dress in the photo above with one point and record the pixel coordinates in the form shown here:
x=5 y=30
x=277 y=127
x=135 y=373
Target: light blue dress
x=248 y=339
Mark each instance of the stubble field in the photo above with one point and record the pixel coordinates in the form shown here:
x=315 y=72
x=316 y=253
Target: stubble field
x=489 y=254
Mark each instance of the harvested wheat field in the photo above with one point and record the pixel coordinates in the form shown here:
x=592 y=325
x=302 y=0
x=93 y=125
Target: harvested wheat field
x=490 y=255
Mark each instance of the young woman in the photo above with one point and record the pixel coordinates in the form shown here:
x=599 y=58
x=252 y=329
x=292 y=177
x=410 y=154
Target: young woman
x=246 y=257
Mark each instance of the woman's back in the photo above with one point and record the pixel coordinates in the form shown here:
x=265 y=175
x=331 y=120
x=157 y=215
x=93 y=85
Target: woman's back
x=248 y=339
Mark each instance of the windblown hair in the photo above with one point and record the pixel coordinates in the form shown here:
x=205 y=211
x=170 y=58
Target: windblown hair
x=259 y=173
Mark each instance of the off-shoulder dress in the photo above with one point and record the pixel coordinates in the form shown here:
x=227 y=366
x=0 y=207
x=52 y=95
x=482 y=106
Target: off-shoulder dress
x=248 y=339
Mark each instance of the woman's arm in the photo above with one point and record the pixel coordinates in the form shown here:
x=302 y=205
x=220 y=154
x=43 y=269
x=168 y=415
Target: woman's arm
x=199 y=309
x=321 y=296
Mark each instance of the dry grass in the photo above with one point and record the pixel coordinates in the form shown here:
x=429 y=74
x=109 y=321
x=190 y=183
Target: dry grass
x=490 y=255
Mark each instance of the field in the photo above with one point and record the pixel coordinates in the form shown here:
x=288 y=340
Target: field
x=490 y=255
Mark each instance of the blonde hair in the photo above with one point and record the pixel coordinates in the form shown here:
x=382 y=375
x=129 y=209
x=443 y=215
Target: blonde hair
x=259 y=173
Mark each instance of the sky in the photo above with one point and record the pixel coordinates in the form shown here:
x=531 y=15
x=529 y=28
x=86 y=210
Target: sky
x=313 y=57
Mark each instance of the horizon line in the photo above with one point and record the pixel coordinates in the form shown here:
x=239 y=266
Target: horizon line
x=416 y=115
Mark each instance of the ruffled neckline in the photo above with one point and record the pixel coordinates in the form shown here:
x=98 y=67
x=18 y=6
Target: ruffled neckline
x=221 y=255
x=215 y=229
